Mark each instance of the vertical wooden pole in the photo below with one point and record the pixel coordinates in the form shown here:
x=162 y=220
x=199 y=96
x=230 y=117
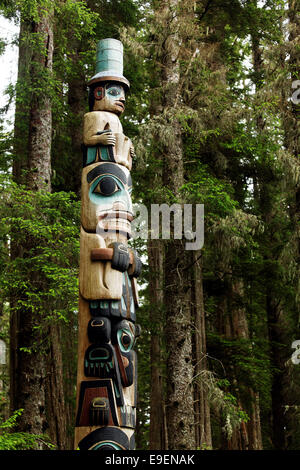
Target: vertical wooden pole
x=107 y=367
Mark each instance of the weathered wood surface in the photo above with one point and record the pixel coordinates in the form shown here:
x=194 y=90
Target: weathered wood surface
x=107 y=368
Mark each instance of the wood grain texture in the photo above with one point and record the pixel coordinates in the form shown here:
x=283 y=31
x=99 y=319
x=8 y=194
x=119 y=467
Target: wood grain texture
x=83 y=343
x=81 y=432
x=97 y=279
x=107 y=365
x=98 y=121
x=89 y=209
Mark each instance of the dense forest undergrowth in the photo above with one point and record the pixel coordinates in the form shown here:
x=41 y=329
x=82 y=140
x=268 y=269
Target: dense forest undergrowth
x=213 y=111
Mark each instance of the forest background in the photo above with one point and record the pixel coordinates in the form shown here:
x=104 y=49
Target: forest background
x=214 y=114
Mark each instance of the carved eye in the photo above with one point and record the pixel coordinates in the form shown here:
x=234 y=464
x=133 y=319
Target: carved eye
x=125 y=340
x=114 y=91
x=107 y=186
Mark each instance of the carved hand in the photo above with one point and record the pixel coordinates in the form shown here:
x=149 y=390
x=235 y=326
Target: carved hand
x=107 y=138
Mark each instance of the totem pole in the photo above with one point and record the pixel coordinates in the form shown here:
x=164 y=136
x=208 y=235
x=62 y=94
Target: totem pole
x=108 y=298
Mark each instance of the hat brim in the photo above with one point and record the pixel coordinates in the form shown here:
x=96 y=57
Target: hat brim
x=108 y=78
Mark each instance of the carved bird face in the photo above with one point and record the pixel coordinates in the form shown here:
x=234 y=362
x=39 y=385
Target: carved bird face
x=107 y=198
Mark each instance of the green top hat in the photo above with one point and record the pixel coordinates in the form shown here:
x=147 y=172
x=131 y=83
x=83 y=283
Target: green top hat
x=109 y=62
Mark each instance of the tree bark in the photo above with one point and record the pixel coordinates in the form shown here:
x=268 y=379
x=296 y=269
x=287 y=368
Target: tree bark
x=278 y=329
x=201 y=405
x=36 y=370
x=27 y=385
x=180 y=396
x=20 y=156
x=40 y=121
x=157 y=408
x=233 y=324
x=55 y=402
x=21 y=124
x=177 y=295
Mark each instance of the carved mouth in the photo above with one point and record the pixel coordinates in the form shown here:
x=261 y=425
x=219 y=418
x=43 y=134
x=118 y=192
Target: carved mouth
x=120 y=104
x=116 y=215
x=114 y=222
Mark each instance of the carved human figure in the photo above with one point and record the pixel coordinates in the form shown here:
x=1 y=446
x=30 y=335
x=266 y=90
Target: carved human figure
x=103 y=128
x=106 y=380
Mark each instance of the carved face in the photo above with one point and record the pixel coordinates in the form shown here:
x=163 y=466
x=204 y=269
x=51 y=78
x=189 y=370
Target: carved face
x=107 y=204
x=123 y=334
x=111 y=355
x=110 y=97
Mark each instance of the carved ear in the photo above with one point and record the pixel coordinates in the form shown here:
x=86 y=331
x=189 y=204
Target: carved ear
x=99 y=93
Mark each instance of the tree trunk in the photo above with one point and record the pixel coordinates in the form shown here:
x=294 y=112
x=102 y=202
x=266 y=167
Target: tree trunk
x=69 y=366
x=177 y=291
x=292 y=144
x=40 y=121
x=20 y=155
x=180 y=398
x=69 y=171
x=55 y=402
x=201 y=405
x=28 y=370
x=250 y=432
x=157 y=408
x=77 y=98
x=33 y=387
x=21 y=124
x=278 y=328
x=232 y=325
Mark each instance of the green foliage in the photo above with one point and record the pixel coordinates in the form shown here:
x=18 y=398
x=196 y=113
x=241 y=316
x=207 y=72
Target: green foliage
x=250 y=358
x=216 y=195
x=75 y=24
x=45 y=228
x=235 y=163
x=10 y=440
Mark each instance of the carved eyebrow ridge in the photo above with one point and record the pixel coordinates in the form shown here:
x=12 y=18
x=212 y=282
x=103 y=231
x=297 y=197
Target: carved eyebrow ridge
x=108 y=168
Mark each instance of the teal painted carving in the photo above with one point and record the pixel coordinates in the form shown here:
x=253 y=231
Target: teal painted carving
x=109 y=62
x=107 y=362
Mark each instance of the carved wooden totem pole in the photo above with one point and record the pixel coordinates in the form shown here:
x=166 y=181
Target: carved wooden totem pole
x=107 y=368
